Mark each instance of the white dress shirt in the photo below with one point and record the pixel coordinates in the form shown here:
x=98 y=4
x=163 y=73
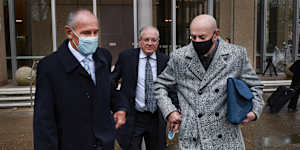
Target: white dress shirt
x=80 y=58
x=140 y=89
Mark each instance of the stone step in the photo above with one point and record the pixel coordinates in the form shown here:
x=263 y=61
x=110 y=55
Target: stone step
x=271 y=86
x=16 y=98
x=20 y=104
x=16 y=91
x=276 y=83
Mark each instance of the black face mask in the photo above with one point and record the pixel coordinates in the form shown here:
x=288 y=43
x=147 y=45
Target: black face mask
x=203 y=47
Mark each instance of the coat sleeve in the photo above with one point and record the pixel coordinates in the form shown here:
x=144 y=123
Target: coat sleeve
x=172 y=93
x=116 y=73
x=118 y=101
x=249 y=76
x=172 y=90
x=44 y=121
x=295 y=67
x=165 y=81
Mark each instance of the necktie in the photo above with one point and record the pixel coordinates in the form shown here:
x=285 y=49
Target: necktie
x=86 y=65
x=149 y=95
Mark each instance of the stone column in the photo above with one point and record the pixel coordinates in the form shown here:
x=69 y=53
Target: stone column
x=245 y=21
x=226 y=19
x=144 y=13
x=3 y=69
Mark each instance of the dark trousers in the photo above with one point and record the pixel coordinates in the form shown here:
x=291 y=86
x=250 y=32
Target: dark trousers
x=99 y=148
x=294 y=99
x=146 y=125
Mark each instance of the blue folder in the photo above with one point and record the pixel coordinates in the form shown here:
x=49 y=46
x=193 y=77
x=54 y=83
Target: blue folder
x=239 y=100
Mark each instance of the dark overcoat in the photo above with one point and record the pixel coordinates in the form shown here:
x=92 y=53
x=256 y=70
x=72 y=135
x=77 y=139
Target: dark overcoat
x=126 y=69
x=70 y=111
x=295 y=68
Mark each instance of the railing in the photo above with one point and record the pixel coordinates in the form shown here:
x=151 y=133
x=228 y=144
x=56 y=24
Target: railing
x=19 y=96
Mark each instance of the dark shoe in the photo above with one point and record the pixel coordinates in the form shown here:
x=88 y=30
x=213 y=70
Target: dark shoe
x=292 y=109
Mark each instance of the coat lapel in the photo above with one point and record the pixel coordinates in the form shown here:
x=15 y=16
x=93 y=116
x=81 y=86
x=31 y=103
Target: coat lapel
x=194 y=63
x=217 y=65
x=100 y=64
x=135 y=58
x=69 y=61
x=159 y=63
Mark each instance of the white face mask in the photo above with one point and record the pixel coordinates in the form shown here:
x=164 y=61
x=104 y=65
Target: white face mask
x=87 y=45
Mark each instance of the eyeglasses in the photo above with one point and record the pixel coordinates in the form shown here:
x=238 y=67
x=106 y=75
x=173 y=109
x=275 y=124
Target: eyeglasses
x=154 y=40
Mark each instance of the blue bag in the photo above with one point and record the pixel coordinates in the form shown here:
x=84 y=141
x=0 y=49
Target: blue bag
x=239 y=100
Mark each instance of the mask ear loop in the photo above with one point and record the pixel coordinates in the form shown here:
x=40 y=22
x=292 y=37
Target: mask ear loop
x=76 y=36
x=213 y=34
x=75 y=33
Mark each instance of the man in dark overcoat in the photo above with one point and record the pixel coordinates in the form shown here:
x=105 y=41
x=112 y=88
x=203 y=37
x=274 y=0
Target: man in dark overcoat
x=138 y=68
x=76 y=107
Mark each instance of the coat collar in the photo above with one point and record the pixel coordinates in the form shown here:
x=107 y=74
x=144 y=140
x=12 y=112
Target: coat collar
x=69 y=61
x=216 y=66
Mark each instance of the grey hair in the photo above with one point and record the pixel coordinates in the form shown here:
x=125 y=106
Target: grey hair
x=72 y=15
x=148 y=27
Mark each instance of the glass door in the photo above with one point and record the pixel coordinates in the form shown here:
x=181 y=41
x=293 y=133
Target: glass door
x=279 y=33
x=186 y=10
x=33 y=31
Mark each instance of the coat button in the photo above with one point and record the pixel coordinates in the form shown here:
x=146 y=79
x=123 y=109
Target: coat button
x=200 y=115
x=216 y=114
x=87 y=95
x=194 y=139
x=217 y=90
x=220 y=136
x=200 y=92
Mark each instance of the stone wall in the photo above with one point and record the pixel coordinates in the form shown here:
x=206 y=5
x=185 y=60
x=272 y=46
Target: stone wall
x=245 y=27
x=237 y=21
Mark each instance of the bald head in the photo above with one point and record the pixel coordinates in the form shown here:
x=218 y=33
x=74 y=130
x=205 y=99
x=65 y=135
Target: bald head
x=204 y=22
x=204 y=34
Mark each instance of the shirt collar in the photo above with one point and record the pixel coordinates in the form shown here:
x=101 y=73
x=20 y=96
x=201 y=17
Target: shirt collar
x=77 y=55
x=143 y=55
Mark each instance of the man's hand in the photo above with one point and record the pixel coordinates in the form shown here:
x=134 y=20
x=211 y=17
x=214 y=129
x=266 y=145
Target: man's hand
x=250 y=116
x=174 y=119
x=120 y=118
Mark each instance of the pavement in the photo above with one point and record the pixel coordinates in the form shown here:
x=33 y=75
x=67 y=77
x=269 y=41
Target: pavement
x=271 y=132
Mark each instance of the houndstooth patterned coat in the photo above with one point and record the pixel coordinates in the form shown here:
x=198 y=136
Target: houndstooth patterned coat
x=202 y=96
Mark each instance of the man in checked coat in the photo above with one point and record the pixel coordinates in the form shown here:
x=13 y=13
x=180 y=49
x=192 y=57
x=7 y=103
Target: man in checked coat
x=200 y=71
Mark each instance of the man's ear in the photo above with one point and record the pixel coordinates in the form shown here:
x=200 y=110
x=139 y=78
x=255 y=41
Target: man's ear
x=69 y=32
x=217 y=32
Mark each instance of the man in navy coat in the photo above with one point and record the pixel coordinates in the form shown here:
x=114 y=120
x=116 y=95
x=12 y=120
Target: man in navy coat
x=75 y=106
x=295 y=68
x=131 y=68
